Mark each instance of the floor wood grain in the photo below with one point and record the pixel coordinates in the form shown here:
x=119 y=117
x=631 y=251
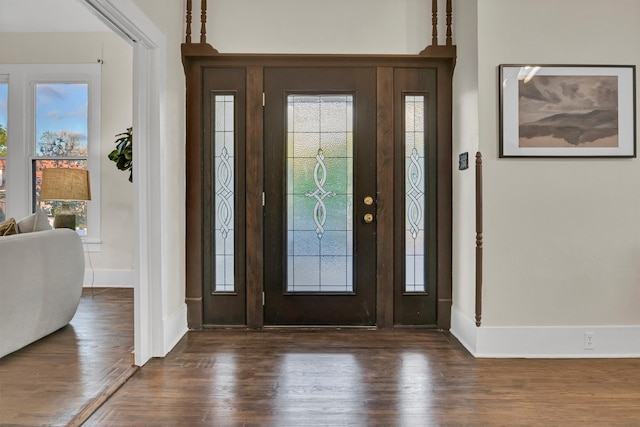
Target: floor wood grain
x=366 y=378
x=52 y=380
x=279 y=377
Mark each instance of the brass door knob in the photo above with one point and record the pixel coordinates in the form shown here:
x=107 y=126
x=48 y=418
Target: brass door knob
x=368 y=218
x=368 y=200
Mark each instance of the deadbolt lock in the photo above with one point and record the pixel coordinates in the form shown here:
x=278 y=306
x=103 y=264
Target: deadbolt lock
x=368 y=218
x=368 y=200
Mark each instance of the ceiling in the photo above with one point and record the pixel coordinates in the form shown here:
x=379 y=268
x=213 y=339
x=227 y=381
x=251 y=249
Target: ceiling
x=35 y=16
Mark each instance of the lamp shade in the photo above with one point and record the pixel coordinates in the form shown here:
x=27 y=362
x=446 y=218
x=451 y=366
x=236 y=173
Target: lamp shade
x=65 y=184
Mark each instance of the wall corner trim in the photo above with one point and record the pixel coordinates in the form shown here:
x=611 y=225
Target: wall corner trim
x=175 y=327
x=464 y=329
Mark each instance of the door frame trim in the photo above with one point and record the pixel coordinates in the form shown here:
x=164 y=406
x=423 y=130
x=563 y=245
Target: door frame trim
x=255 y=64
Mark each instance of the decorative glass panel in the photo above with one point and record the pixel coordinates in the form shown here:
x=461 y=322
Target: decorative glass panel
x=320 y=193
x=224 y=137
x=3 y=148
x=414 y=134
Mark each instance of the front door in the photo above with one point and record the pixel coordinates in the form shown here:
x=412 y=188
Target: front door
x=320 y=189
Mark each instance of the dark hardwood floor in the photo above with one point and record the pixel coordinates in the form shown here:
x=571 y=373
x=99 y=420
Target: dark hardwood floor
x=292 y=377
x=53 y=380
x=365 y=378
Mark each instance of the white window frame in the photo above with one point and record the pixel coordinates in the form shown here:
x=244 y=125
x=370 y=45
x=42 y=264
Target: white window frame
x=21 y=135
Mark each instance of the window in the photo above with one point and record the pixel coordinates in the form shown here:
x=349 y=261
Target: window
x=51 y=119
x=61 y=121
x=3 y=147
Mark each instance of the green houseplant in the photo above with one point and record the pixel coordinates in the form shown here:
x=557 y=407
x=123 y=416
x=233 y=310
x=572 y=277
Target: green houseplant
x=123 y=153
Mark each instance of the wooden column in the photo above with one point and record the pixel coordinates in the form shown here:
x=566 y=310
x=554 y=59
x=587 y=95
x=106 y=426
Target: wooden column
x=203 y=22
x=187 y=38
x=478 y=238
x=434 y=22
x=449 y=40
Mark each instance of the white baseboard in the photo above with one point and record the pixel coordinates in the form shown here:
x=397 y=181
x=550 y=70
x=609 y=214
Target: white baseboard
x=108 y=279
x=175 y=326
x=545 y=341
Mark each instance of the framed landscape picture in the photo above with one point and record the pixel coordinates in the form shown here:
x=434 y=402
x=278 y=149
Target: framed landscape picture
x=567 y=111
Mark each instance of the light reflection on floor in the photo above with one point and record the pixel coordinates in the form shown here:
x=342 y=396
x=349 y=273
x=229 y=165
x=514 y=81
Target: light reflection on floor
x=328 y=387
x=223 y=388
x=414 y=390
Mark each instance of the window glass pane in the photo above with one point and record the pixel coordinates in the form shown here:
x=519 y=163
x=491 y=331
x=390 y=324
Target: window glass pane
x=320 y=193
x=61 y=119
x=224 y=138
x=4 y=87
x=61 y=124
x=50 y=206
x=3 y=191
x=414 y=134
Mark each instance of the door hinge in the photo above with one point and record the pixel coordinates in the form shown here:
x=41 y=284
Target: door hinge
x=263 y=298
x=264 y=99
x=263 y=199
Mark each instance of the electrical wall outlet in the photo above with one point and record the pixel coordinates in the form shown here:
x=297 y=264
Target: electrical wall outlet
x=589 y=340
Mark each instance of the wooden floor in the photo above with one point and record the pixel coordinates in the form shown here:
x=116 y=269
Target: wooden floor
x=302 y=378
x=366 y=378
x=52 y=381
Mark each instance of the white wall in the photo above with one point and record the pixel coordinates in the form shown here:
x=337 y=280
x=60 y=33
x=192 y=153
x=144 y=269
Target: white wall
x=561 y=236
x=113 y=263
x=310 y=26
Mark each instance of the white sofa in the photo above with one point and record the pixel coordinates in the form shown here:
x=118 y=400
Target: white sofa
x=41 y=275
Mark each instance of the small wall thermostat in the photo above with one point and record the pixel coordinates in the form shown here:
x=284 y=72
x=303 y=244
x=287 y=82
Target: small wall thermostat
x=463 y=161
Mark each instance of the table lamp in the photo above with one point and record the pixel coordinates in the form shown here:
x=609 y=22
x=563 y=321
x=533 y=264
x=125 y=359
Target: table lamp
x=65 y=185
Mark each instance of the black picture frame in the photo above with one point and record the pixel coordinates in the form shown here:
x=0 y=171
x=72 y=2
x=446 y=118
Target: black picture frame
x=567 y=110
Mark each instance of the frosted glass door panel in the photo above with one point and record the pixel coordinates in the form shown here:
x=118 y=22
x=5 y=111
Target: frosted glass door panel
x=320 y=193
x=414 y=135
x=224 y=137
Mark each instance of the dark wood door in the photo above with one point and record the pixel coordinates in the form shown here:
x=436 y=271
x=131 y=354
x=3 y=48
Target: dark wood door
x=320 y=189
